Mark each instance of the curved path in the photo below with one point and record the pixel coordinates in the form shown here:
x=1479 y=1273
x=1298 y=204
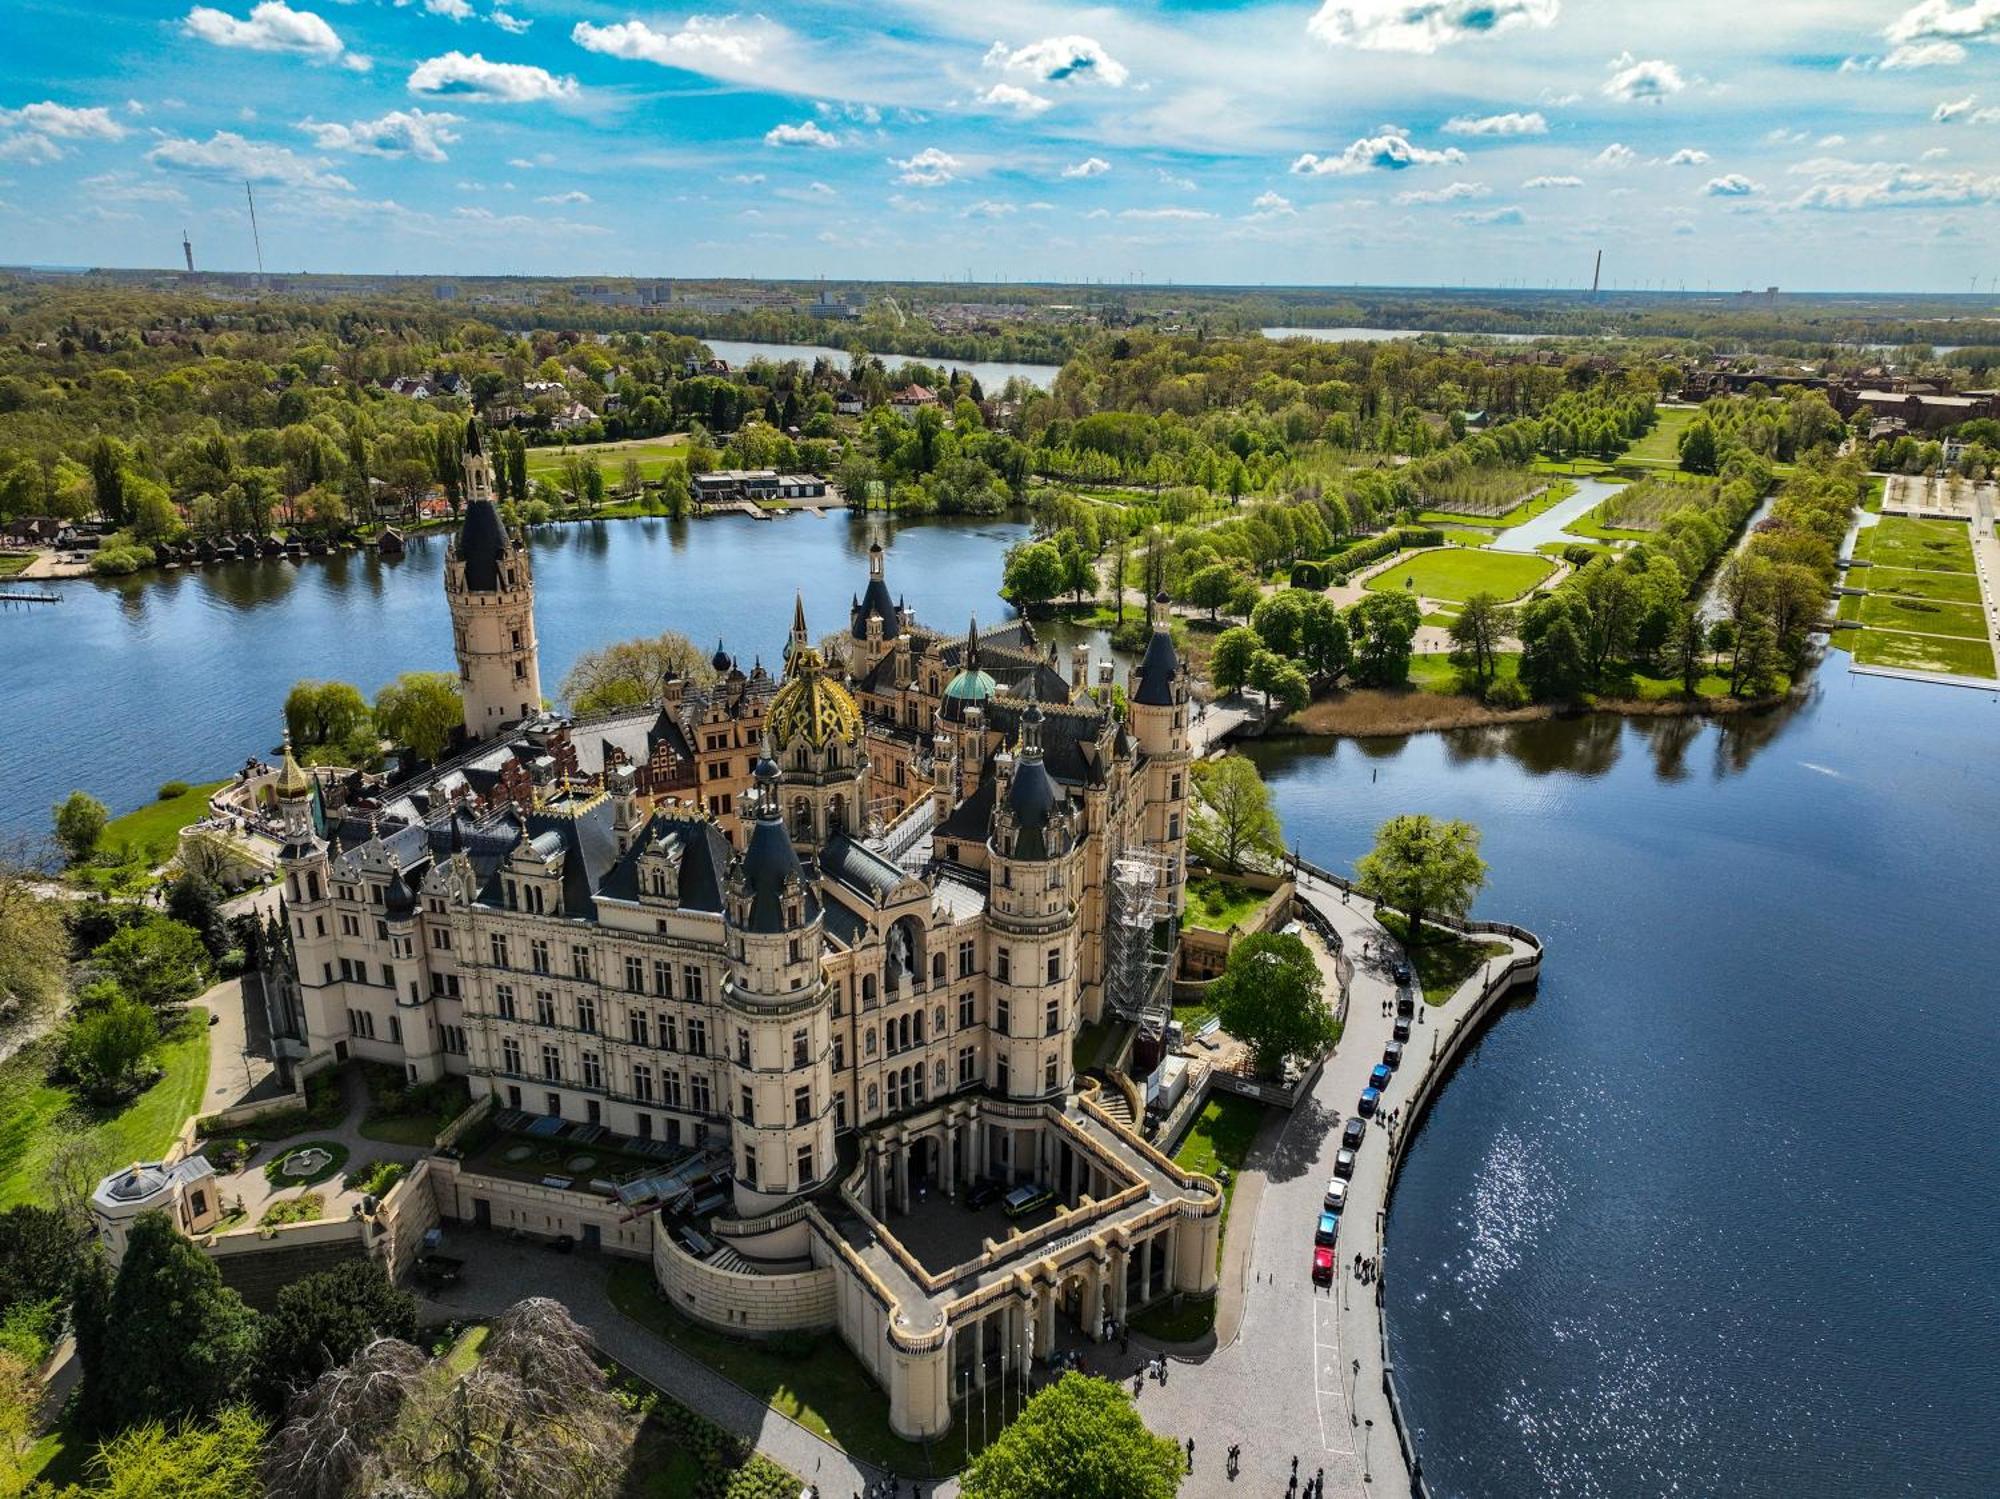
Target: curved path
x=1304 y=1373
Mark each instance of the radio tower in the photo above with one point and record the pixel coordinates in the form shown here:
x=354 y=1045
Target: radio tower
x=187 y=249
x=258 y=244
x=1595 y=271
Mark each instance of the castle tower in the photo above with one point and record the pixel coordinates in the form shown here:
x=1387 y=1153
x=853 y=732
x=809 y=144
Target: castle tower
x=489 y=584
x=1032 y=925
x=1158 y=694
x=776 y=1016
x=308 y=907
x=815 y=735
x=874 y=621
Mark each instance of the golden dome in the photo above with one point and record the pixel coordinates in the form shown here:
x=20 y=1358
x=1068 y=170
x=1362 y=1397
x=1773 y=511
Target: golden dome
x=811 y=706
x=293 y=783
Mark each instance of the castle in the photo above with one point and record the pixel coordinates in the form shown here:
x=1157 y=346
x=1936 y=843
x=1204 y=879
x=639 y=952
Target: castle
x=821 y=944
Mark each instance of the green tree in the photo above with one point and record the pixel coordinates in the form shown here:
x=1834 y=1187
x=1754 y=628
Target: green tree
x=1699 y=449
x=674 y=497
x=327 y=716
x=1324 y=647
x=40 y=1254
x=1384 y=626
x=1231 y=817
x=1078 y=1438
x=1553 y=665
x=80 y=820
x=20 y=1399
x=1685 y=648
x=1209 y=588
x=1754 y=669
x=1033 y=574
x=1284 y=686
x=159 y=962
x=1422 y=867
x=195 y=901
x=1280 y=619
x=324 y=1319
x=191 y=1460
x=420 y=709
x=34 y=943
x=1271 y=998
x=1229 y=662
x=1476 y=634
x=176 y=1341
x=108 y=1051
x=627 y=673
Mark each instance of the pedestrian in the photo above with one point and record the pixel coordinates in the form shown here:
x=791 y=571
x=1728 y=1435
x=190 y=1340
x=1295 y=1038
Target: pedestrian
x=1319 y=1481
x=1295 y=1467
x=1190 y=1454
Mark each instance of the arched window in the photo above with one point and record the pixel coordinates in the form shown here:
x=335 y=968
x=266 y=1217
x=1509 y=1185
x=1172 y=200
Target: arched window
x=937 y=970
x=919 y=1018
x=867 y=989
x=836 y=814
x=801 y=817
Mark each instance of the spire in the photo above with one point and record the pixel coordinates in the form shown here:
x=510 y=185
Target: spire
x=293 y=782
x=972 y=645
x=472 y=437
x=800 y=639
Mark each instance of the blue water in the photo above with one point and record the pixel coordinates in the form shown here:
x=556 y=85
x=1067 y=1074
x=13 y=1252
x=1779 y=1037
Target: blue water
x=1715 y=1211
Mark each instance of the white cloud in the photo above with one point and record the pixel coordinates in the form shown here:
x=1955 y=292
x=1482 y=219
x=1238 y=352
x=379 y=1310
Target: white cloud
x=30 y=150
x=1173 y=180
x=987 y=208
x=703 y=44
x=1951 y=109
x=1012 y=96
x=42 y=127
x=1457 y=192
x=1852 y=185
x=411 y=132
x=1731 y=185
x=526 y=222
x=272 y=26
x=1165 y=213
x=1783 y=137
x=1422 y=25
x=805 y=133
x=1090 y=166
x=1390 y=151
x=1936 y=153
x=528 y=164
x=1061 y=59
x=1921 y=55
x=1687 y=156
x=457 y=10
x=473 y=77
x=573 y=196
x=513 y=25
x=930 y=167
x=1635 y=82
x=120 y=187
x=1548 y=182
x=228 y=155
x=1942 y=23
x=1507 y=124
x=1271 y=206
x=1615 y=155
x=1828 y=142
x=1511 y=214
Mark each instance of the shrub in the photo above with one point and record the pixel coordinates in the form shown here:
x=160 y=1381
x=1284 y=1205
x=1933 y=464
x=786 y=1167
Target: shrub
x=172 y=789
x=376 y=1177
x=308 y=1207
x=1506 y=692
x=30 y=1329
x=1421 y=536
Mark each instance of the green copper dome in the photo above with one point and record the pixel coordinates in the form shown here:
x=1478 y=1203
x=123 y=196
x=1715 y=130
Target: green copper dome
x=970 y=686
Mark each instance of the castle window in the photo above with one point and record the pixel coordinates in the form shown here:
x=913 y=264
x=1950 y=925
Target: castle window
x=663 y=978
x=698 y=1038
x=839 y=1052
x=545 y=1007
x=1000 y=1016
x=965 y=1010
x=1054 y=1016
x=799 y=1046
x=553 y=1105
x=1173 y=824
x=698 y=1098
x=805 y=1165
x=551 y=1064
x=937 y=968
x=802 y=1105
x=635 y=975
x=538 y=955
x=867 y=991
x=691 y=983
x=968 y=1065
x=748 y=1173
x=593 y=1071
x=642 y=1083
x=503 y=998
x=1049 y=1074
x=868 y=1042
x=510 y=1055
x=586 y=1015
x=499 y=943
x=670 y=1085
x=668 y=1040
x=968 y=958
x=1174 y=787
x=746 y=1110
x=636 y=1027
x=840 y=1111
x=1002 y=965
x=742 y=1047
x=579 y=962
x=1055 y=965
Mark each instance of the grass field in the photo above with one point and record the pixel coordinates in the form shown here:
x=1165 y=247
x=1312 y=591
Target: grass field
x=1217 y=905
x=1558 y=548
x=1923 y=545
x=1964 y=658
x=155 y=828
x=653 y=453
x=1444 y=959
x=14 y=562
x=1660 y=448
x=1922 y=616
x=30 y=1107
x=1455 y=574
x=1462 y=536
x=1941 y=588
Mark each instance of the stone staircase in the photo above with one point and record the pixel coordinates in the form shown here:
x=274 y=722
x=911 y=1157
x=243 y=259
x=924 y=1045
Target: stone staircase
x=726 y=1258
x=1112 y=1100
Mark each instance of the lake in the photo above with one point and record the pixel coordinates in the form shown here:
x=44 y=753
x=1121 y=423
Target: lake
x=1714 y=1212
x=990 y=373
x=184 y=673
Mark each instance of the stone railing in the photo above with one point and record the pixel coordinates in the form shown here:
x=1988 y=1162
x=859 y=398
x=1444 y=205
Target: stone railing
x=744 y=1301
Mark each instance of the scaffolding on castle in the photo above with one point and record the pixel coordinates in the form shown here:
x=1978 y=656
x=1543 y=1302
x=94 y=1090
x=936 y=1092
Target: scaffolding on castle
x=1136 y=969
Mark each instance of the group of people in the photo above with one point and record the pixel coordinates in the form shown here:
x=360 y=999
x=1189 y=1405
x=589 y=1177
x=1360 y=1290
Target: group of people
x=1153 y=1368
x=1366 y=1270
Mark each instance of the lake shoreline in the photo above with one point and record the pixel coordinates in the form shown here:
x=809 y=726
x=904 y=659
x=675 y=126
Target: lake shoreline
x=1373 y=712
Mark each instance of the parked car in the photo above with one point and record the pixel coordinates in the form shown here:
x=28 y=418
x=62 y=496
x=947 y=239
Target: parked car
x=1370 y=1097
x=1327 y=1229
x=1025 y=1199
x=1401 y=970
x=1378 y=1078
x=1402 y=1031
x=1322 y=1267
x=984 y=1191
x=1406 y=1005
x=1355 y=1132
x=1343 y=1164
x=1336 y=1196
x=1392 y=1055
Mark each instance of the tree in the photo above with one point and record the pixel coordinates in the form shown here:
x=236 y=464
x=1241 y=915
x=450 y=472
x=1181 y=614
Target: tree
x=1324 y=647
x=329 y=716
x=1271 y=998
x=1078 y=1438
x=1422 y=867
x=80 y=820
x=1231 y=816
x=422 y=710
x=323 y=1320
x=20 y=1396
x=1476 y=634
x=1685 y=648
x=1280 y=618
x=1209 y=589
x=1553 y=665
x=1754 y=669
x=40 y=1254
x=159 y=962
x=1229 y=663
x=1034 y=573
x=196 y=902
x=34 y=943
x=630 y=672
x=108 y=1050
x=1384 y=626
x=1281 y=682
x=531 y=1416
x=176 y=1341
x=1699 y=448
x=193 y=1460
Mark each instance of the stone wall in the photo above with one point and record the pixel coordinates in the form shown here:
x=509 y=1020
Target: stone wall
x=742 y=1301
x=544 y=1212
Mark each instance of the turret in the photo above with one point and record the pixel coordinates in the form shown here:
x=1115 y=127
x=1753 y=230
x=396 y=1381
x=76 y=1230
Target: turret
x=814 y=734
x=490 y=588
x=875 y=619
x=1158 y=695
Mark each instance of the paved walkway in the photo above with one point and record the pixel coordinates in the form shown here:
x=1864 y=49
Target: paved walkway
x=1986 y=560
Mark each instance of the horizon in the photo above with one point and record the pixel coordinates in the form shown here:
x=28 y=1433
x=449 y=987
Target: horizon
x=1142 y=144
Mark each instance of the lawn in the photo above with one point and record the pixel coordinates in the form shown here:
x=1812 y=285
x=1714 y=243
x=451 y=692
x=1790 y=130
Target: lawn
x=1943 y=588
x=1890 y=611
x=1561 y=548
x=1216 y=904
x=1445 y=959
x=653 y=453
x=1965 y=658
x=1467 y=536
x=1527 y=510
x=1661 y=446
x=12 y=563
x=1218 y=1143
x=1455 y=574
x=155 y=828
x=1925 y=545
x=30 y=1106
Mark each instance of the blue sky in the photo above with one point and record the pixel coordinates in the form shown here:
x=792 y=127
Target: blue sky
x=1839 y=144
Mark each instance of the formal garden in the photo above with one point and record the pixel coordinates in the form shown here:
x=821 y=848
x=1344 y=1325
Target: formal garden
x=1455 y=574
x=1922 y=610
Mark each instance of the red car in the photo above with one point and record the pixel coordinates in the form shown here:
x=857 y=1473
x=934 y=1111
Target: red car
x=1322 y=1267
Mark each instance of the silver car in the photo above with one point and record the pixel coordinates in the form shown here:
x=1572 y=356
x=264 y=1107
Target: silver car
x=1336 y=1196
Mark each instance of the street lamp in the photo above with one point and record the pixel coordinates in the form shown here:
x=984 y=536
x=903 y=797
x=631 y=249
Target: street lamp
x=1367 y=1442
x=1353 y=1379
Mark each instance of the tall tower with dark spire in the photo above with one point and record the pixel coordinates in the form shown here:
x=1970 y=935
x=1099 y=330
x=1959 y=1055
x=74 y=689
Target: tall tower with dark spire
x=490 y=585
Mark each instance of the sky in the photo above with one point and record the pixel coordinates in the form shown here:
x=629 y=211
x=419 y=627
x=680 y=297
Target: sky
x=1810 y=144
